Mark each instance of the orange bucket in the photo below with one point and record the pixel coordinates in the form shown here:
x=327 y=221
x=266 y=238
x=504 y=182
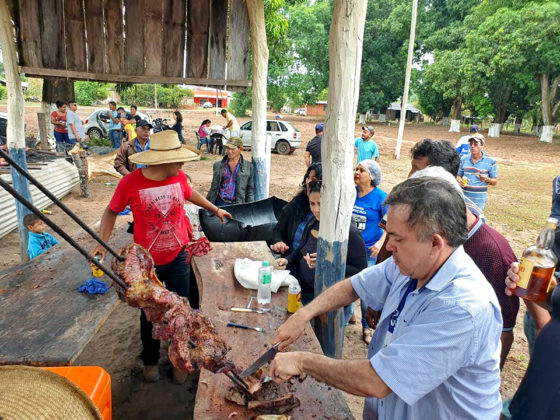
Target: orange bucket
x=94 y=381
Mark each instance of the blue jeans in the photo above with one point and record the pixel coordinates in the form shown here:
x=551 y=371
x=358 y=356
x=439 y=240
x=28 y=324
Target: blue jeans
x=62 y=140
x=370 y=261
x=115 y=137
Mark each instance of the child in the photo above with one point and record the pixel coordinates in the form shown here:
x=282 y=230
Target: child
x=39 y=240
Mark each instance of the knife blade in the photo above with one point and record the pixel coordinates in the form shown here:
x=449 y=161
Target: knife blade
x=261 y=361
x=257 y=311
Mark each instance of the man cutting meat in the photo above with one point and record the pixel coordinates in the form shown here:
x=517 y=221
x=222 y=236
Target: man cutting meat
x=435 y=352
x=156 y=195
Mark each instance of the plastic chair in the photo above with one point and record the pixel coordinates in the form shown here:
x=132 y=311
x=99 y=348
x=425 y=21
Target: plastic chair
x=198 y=140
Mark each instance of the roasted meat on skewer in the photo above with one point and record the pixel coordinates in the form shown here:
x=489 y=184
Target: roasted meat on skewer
x=194 y=341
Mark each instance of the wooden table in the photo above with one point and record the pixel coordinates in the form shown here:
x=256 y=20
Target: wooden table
x=44 y=320
x=219 y=289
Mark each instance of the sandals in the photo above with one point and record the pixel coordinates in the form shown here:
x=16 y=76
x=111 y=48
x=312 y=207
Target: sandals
x=367 y=333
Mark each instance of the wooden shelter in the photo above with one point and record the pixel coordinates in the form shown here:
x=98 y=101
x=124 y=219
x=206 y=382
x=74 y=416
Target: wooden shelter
x=202 y=42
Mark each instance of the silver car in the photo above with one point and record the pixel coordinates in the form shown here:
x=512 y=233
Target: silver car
x=285 y=137
x=97 y=124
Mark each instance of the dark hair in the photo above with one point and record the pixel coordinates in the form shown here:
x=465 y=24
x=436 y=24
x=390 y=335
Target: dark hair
x=439 y=153
x=179 y=116
x=315 y=187
x=435 y=207
x=223 y=111
x=204 y=122
x=119 y=108
x=30 y=219
x=318 y=173
x=134 y=106
x=112 y=103
x=60 y=103
x=72 y=102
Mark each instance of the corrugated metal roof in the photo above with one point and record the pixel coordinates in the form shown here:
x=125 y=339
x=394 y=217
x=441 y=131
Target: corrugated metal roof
x=58 y=176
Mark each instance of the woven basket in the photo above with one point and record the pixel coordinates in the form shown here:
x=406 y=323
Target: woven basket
x=33 y=393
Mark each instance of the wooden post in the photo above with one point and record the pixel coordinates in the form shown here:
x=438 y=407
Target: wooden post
x=16 y=115
x=42 y=119
x=259 y=151
x=404 y=103
x=337 y=151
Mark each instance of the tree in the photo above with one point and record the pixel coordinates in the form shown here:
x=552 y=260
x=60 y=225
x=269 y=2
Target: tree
x=384 y=54
x=309 y=32
x=519 y=49
x=89 y=92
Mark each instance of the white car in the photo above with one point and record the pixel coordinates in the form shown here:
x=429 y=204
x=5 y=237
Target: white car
x=207 y=105
x=96 y=124
x=285 y=137
x=300 y=111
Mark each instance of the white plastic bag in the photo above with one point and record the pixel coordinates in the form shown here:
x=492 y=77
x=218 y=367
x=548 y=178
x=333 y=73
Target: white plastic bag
x=246 y=272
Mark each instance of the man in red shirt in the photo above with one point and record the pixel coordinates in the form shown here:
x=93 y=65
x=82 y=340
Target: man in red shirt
x=156 y=195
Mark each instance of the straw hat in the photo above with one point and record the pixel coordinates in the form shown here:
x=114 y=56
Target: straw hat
x=165 y=147
x=32 y=393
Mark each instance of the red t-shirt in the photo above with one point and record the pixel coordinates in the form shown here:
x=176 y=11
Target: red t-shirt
x=59 y=118
x=160 y=223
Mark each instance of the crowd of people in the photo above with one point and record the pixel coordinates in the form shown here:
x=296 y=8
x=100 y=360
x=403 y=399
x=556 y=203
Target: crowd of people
x=434 y=280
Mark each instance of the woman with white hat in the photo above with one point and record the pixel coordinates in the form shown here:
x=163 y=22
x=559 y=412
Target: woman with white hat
x=156 y=195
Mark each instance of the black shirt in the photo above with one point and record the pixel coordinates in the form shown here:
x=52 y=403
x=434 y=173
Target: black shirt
x=314 y=148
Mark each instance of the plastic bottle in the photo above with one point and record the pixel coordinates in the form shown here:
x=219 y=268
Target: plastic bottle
x=265 y=278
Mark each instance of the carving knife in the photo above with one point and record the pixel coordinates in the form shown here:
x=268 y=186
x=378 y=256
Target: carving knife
x=261 y=361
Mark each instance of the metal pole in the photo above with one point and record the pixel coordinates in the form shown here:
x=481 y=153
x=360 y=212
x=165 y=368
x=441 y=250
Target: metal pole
x=60 y=204
x=58 y=230
x=406 y=79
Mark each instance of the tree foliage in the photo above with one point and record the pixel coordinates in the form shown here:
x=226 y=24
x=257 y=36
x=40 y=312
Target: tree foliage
x=87 y=93
x=168 y=96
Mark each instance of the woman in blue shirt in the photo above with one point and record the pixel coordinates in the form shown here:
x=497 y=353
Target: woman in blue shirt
x=366 y=215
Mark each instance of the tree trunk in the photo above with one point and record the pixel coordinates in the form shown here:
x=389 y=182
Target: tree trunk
x=55 y=89
x=15 y=135
x=382 y=117
x=444 y=121
x=260 y=153
x=455 y=126
x=518 y=122
x=362 y=119
x=337 y=150
x=548 y=94
x=494 y=130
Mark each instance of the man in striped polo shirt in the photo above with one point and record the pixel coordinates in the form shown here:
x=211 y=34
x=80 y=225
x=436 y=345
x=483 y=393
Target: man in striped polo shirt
x=479 y=169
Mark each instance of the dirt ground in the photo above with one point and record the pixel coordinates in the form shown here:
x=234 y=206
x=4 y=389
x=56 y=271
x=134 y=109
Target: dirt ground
x=517 y=208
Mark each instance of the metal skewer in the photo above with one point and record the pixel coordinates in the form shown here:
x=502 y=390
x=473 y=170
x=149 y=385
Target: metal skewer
x=59 y=203
x=58 y=230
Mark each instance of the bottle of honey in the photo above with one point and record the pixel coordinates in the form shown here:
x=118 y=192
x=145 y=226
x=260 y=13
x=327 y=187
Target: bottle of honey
x=537 y=265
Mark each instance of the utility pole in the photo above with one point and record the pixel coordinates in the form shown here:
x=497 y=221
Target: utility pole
x=404 y=102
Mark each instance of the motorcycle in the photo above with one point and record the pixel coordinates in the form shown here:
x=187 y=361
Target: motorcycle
x=160 y=124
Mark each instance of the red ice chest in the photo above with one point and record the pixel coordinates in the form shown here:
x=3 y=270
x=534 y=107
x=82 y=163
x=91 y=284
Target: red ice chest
x=94 y=381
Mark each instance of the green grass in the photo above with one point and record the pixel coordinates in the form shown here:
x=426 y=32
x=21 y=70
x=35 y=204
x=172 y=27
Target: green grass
x=100 y=142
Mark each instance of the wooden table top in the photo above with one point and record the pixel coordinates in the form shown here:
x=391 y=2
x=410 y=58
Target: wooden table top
x=44 y=320
x=219 y=290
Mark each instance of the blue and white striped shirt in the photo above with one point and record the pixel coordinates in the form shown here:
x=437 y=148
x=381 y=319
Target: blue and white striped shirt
x=443 y=358
x=476 y=189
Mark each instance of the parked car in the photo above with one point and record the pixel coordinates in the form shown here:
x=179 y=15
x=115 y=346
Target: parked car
x=207 y=105
x=300 y=111
x=97 y=124
x=285 y=137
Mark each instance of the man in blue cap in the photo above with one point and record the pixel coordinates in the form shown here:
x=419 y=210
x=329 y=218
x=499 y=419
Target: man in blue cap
x=313 y=149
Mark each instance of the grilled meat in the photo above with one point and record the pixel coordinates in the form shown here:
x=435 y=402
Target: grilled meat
x=194 y=341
